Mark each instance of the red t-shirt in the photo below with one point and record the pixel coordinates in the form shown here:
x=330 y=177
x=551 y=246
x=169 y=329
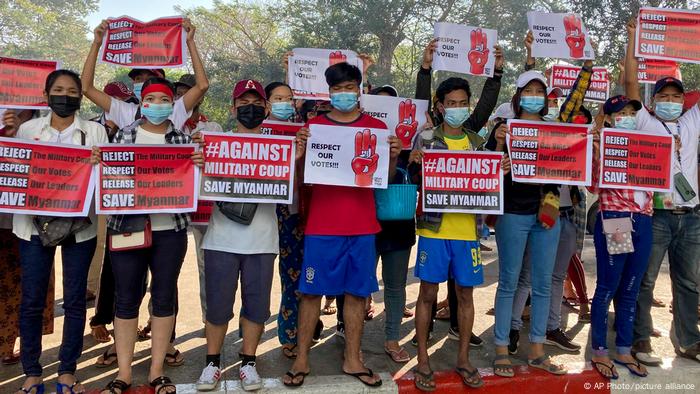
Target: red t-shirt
x=340 y=210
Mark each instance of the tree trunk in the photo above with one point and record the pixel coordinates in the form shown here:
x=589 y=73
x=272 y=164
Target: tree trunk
x=387 y=46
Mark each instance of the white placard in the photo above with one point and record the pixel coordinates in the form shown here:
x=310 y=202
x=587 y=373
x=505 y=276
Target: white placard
x=402 y=115
x=464 y=49
x=560 y=36
x=307 y=67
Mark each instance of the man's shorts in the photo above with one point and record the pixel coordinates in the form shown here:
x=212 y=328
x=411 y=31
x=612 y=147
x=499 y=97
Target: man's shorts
x=440 y=259
x=335 y=265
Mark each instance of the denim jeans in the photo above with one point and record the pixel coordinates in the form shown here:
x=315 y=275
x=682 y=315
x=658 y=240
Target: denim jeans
x=618 y=279
x=394 y=272
x=680 y=236
x=37 y=261
x=565 y=249
x=513 y=234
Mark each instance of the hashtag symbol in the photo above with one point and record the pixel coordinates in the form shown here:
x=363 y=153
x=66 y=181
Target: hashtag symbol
x=429 y=165
x=212 y=149
x=557 y=72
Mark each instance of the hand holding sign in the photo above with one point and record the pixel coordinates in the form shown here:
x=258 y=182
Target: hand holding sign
x=408 y=125
x=479 y=53
x=364 y=164
x=575 y=38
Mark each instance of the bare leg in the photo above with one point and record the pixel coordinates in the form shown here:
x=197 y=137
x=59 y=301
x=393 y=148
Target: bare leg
x=124 y=339
x=309 y=310
x=215 y=337
x=161 y=330
x=354 y=315
x=252 y=332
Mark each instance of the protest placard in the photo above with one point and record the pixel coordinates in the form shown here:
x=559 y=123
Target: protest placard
x=464 y=49
x=651 y=70
x=274 y=127
x=138 y=179
x=128 y=42
x=633 y=159
x=564 y=77
x=462 y=182
x=38 y=178
x=347 y=156
x=668 y=34
x=307 y=66
x=561 y=36
x=546 y=152
x=402 y=115
x=204 y=209
x=248 y=168
x=22 y=82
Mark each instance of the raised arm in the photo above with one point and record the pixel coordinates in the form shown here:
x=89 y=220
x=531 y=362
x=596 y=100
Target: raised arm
x=88 y=75
x=194 y=95
x=631 y=63
x=529 y=61
x=424 y=79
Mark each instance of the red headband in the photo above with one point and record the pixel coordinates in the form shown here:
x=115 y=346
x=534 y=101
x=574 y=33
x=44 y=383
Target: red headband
x=157 y=88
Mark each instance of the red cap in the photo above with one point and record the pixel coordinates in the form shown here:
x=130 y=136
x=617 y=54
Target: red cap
x=246 y=85
x=118 y=90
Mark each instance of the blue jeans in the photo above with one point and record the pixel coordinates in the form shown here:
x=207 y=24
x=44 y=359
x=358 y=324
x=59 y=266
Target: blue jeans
x=680 y=236
x=513 y=234
x=618 y=280
x=37 y=261
x=394 y=272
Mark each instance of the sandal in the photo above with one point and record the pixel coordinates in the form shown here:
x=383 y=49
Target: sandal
x=629 y=367
x=38 y=389
x=368 y=374
x=610 y=367
x=369 y=315
x=422 y=384
x=690 y=353
x=289 y=352
x=117 y=384
x=12 y=359
x=144 y=333
x=407 y=312
x=164 y=382
x=470 y=375
x=173 y=356
x=506 y=370
x=398 y=356
x=60 y=387
x=329 y=310
x=295 y=375
x=551 y=368
x=443 y=314
x=107 y=359
x=100 y=333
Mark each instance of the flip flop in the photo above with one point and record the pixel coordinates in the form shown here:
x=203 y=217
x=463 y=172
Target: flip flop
x=509 y=372
x=164 y=382
x=105 y=357
x=288 y=352
x=629 y=368
x=329 y=310
x=117 y=384
x=144 y=333
x=613 y=374
x=551 y=368
x=470 y=375
x=60 y=387
x=360 y=375
x=174 y=357
x=398 y=356
x=295 y=375
x=424 y=378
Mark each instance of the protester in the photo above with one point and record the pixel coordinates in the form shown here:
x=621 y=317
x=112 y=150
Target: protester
x=163 y=258
x=61 y=126
x=676 y=224
x=448 y=245
x=340 y=252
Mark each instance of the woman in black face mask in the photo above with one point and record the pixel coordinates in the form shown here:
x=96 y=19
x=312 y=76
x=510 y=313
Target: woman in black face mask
x=60 y=126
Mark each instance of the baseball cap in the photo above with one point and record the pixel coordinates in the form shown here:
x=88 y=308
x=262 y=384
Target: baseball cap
x=554 y=92
x=528 y=76
x=385 y=89
x=157 y=72
x=118 y=90
x=504 y=111
x=617 y=103
x=663 y=82
x=186 y=80
x=246 y=85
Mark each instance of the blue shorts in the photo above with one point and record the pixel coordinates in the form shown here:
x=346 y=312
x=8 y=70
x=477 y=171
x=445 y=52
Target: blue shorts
x=440 y=259
x=335 y=265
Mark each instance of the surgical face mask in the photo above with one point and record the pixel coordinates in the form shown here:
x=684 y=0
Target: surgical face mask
x=552 y=114
x=344 y=101
x=64 y=106
x=250 y=115
x=282 y=110
x=156 y=113
x=626 y=122
x=137 y=89
x=668 y=110
x=455 y=117
x=482 y=133
x=532 y=104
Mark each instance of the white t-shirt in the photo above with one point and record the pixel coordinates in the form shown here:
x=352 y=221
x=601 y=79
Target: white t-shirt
x=688 y=127
x=159 y=221
x=565 y=197
x=260 y=236
x=123 y=113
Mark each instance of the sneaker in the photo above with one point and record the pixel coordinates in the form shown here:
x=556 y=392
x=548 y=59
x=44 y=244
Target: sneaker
x=340 y=330
x=453 y=333
x=642 y=351
x=514 y=338
x=559 y=339
x=250 y=380
x=476 y=341
x=414 y=340
x=209 y=378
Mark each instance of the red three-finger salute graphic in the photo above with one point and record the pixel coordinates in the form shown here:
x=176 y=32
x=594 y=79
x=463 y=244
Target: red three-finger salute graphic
x=336 y=57
x=408 y=125
x=479 y=53
x=364 y=164
x=575 y=38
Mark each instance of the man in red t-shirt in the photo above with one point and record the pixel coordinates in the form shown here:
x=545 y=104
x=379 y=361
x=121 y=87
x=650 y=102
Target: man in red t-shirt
x=339 y=250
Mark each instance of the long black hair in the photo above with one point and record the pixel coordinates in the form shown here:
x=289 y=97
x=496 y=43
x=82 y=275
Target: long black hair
x=53 y=76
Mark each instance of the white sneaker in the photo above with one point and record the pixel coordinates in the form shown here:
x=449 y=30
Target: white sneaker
x=250 y=380
x=209 y=378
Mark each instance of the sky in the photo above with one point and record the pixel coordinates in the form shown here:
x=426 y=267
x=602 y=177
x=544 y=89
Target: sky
x=136 y=9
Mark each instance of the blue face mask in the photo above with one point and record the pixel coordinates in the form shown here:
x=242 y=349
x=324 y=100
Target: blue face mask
x=552 y=114
x=532 y=104
x=156 y=113
x=626 y=122
x=344 y=101
x=668 y=110
x=137 y=90
x=483 y=132
x=282 y=110
x=455 y=117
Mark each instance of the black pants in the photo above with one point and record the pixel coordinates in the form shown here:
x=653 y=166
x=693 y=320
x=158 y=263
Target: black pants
x=104 y=306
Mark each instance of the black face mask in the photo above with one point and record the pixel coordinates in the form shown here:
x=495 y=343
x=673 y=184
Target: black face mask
x=251 y=115
x=64 y=106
